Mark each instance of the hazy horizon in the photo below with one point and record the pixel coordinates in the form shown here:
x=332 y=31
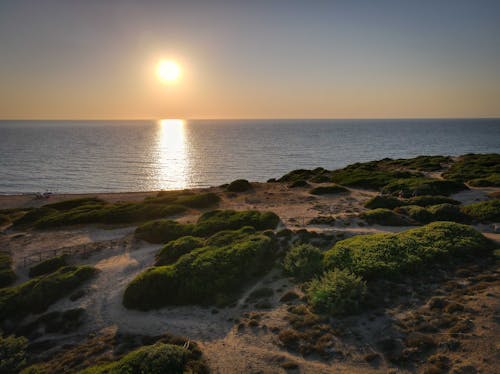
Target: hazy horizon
x=250 y=60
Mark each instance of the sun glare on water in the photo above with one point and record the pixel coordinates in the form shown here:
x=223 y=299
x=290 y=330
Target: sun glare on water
x=168 y=71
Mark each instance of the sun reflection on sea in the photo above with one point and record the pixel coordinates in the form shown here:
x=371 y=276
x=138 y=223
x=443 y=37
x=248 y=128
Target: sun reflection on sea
x=171 y=154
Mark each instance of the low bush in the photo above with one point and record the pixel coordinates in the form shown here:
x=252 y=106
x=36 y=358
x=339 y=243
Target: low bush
x=7 y=275
x=385 y=217
x=426 y=200
x=410 y=187
x=386 y=202
x=227 y=237
x=206 y=275
x=305 y=175
x=336 y=292
x=239 y=185
x=36 y=295
x=174 y=249
x=75 y=203
x=303 y=262
x=48 y=266
x=367 y=175
x=420 y=163
x=299 y=183
x=327 y=190
x=448 y=212
x=416 y=213
x=393 y=255
x=12 y=353
x=4 y=219
x=490 y=181
x=155 y=359
x=185 y=198
x=475 y=166
x=162 y=231
x=484 y=211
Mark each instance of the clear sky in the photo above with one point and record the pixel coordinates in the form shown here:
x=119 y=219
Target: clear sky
x=250 y=59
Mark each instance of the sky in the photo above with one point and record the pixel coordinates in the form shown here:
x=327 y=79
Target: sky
x=90 y=59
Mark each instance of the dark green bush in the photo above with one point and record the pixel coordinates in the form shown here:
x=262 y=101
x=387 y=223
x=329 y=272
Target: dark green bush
x=226 y=237
x=426 y=200
x=239 y=185
x=153 y=359
x=392 y=255
x=75 y=203
x=297 y=175
x=36 y=295
x=174 y=249
x=336 y=292
x=387 y=202
x=484 y=211
x=367 y=175
x=420 y=163
x=4 y=219
x=490 y=181
x=410 y=187
x=303 y=262
x=185 y=198
x=448 y=212
x=217 y=220
x=162 y=231
x=299 y=183
x=416 y=213
x=385 y=217
x=474 y=166
x=48 y=266
x=326 y=190
x=205 y=275
x=7 y=275
x=32 y=216
x=12 y=353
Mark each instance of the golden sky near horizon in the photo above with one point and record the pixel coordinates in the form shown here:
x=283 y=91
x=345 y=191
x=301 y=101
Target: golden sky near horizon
x=95 y=60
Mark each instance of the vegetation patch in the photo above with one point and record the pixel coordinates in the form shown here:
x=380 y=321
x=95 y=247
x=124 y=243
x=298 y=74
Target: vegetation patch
x=239 y=185
x=206 y=275
x=303 y=262
x=484 y=211
x=36 y=295
x=367 y=175
x=383 y=201
x=75 y=203
x=392 y=255
x=336 y=292
x=318 y=175
x=409 y=187
x=299 y=183
x=4 y=219
x=475 y=166
x=209 y=223
x=48 y=266
x=385 y=217
x=490 y=181
x=12 y=353
x=174 y=249
x=157 y=358
x=416 y=213
x=7 y=275
x=328 y=190
x=426 y=200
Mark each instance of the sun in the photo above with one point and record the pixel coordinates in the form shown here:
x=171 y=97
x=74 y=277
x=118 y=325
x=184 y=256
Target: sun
x=168 y=71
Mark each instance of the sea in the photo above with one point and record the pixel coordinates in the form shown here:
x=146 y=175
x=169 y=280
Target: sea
x=122 y=156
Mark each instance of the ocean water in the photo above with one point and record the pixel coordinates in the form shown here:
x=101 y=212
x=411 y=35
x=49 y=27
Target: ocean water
x=116 y=156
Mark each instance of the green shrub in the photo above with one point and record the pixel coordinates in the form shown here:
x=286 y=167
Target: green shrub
x=448 y=212
x=484 y=211
x=12 y=353
x=155 y=359
x=217 y=220
x=426 y=200
x=31 y=216
x=409 y=187
x=367 y=175
x=303 y=262
x=474 y=166
x=36 y=295
x=421 y=163
x=226 y=237
x=209 y=223
x=336 y=292
x=392 y=255
x=299 y=183
x=174 y=249
x=162 y=231
x=239 y=185
x=416 y=213
x=326 y=190
x=387 y=202
x=205 y=275
x=385 y=217
x=7 y=275
x=185 y=198
x=48 y=266
x=75 y=203
x=490 y=181
x=300 y=174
